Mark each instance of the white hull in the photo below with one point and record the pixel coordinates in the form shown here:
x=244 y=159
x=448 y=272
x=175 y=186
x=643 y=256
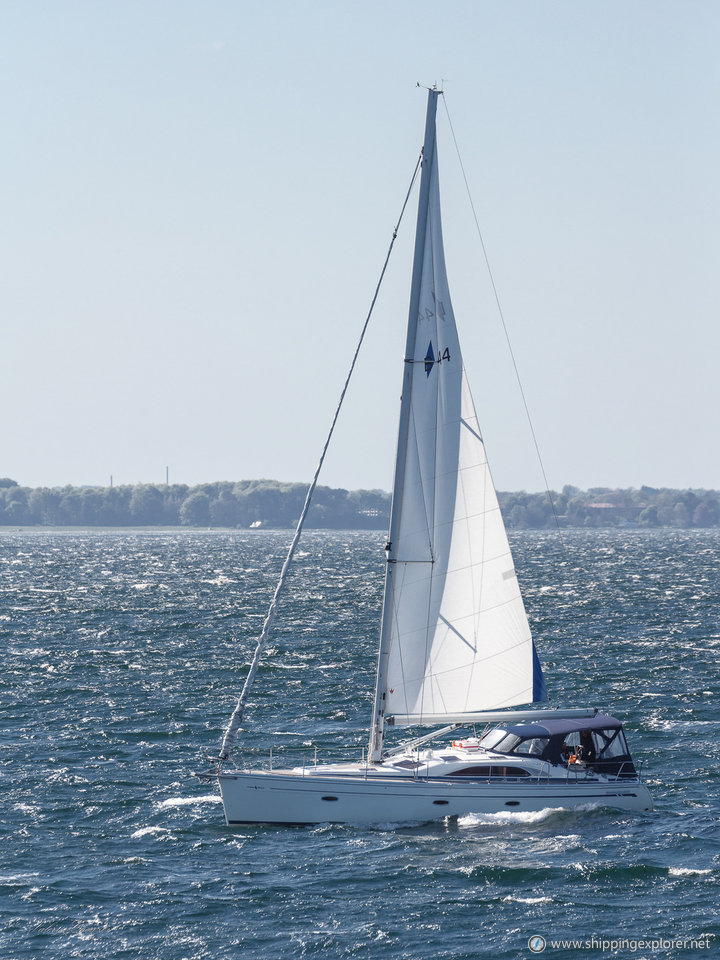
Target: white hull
x=290 y=797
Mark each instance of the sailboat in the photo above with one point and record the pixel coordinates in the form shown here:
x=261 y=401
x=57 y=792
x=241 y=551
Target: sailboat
x=455 y=647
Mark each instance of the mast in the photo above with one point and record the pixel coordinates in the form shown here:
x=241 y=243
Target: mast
x=377 y=727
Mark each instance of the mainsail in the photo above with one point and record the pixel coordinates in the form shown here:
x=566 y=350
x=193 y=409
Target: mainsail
x=455 y=637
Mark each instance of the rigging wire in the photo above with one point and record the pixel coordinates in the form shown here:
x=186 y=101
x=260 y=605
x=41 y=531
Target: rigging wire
x=502 y=319
x=237 y=715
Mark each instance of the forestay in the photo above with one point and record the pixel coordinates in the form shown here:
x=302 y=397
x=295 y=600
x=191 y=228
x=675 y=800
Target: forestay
x=455 y=637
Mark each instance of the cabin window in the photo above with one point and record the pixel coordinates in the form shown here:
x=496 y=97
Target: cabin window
x=490 y=772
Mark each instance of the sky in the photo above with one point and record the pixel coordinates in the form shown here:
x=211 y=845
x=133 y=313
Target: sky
x=197 y=199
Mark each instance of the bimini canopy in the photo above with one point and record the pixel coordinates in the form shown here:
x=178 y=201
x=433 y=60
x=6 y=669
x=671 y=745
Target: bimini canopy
x=551 y=728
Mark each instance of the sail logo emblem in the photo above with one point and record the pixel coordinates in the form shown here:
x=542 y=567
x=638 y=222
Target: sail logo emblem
x=430 y=360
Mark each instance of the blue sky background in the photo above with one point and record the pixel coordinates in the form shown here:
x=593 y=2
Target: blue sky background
x=197 y=198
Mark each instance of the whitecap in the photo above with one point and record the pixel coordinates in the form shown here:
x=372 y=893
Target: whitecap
x=144 y=831
x=656 y=724
x=686 y=871
x=528 y=899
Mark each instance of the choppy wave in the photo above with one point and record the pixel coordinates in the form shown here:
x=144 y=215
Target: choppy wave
x=123 y=657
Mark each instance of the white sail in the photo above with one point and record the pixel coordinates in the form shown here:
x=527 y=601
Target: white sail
x=455 y=634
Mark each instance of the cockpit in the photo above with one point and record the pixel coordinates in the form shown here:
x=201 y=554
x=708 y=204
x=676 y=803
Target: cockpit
x=598 y=744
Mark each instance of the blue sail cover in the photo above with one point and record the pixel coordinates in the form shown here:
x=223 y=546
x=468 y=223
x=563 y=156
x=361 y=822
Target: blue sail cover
x=539 y=689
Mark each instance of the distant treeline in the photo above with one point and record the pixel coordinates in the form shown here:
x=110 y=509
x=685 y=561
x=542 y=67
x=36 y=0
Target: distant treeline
x=269 y=504
x=604 y=507
x=248 y=503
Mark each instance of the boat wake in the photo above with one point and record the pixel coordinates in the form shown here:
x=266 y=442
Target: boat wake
x=524 y=816
x=188 y=801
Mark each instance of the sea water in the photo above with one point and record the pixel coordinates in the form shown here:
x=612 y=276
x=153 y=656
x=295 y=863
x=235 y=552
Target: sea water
x=122 y=657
